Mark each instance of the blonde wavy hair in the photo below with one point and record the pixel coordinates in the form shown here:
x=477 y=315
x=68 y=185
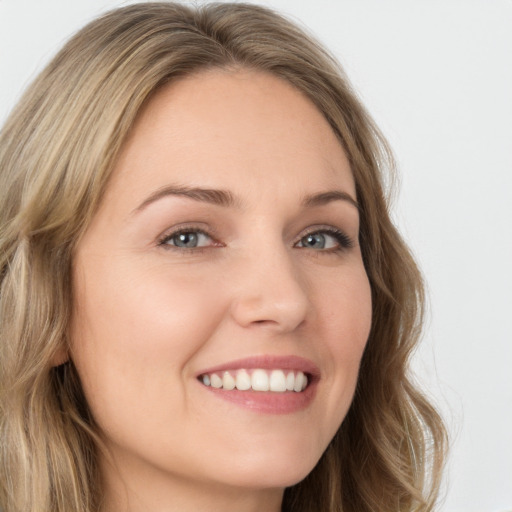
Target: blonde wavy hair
x=57 y=150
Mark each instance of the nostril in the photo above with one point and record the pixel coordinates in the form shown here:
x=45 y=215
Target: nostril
x=281 y=306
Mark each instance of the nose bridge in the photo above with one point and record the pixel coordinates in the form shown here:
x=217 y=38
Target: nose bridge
x=271 y=290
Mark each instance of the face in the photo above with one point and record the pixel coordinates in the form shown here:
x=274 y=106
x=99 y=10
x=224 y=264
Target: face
x=224 y=253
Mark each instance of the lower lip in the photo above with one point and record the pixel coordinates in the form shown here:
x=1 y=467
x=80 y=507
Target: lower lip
x=268 y=402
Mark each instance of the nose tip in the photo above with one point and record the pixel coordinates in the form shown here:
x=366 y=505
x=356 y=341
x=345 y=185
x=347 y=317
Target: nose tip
x=273 y=298
x=277 y=315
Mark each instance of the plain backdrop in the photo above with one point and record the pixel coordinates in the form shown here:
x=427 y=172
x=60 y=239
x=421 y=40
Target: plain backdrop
x=437 y=77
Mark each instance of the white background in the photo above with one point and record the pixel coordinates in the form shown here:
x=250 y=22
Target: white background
x=437 y=76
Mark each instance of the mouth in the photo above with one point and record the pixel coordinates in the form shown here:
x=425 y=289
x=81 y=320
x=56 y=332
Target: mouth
x=258 y=379
x=268 y=384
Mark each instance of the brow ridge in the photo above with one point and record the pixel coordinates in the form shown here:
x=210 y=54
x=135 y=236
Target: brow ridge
x=226 y=199
x=213 y=196
x=323 y=198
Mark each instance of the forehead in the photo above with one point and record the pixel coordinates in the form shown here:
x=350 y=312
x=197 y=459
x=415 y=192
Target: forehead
x=232 y=129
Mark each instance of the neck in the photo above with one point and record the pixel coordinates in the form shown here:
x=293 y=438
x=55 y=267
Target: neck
x=157 y=491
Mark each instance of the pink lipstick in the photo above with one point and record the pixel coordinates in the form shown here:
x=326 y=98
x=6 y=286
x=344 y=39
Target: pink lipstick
x=268 y=384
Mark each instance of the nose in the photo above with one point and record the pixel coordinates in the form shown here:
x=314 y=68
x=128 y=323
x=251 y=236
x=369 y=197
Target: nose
x=270 y=292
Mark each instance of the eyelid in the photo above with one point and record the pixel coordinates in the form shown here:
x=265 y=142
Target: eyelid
x=186 y=228
x=345 y=241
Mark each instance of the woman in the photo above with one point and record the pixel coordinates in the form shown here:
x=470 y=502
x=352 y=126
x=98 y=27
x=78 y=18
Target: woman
x=204 y=304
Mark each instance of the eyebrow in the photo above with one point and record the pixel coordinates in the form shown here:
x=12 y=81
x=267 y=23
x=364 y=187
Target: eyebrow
x=226 y=199
x=205 y=195
x=327 y=197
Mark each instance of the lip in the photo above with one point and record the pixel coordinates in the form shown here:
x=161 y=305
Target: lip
x=267 y=402
x=268 y=362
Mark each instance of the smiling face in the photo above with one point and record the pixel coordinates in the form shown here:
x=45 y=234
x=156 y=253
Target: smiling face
x=224 y=254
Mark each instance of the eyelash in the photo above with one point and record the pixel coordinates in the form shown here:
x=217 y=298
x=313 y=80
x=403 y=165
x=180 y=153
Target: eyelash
x=163 y=242
x=345 y=242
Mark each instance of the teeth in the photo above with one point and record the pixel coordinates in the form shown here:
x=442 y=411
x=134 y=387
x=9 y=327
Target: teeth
x=243 y=380
x=227 y=381
x=276 y=381
x=216 y=381
x=299 y=382
x=259 y=380
x=290 y=381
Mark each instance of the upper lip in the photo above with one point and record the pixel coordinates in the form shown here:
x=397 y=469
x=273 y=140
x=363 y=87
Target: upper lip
x=267 y=362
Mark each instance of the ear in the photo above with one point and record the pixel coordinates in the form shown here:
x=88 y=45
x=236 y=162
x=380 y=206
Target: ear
x=60 y=357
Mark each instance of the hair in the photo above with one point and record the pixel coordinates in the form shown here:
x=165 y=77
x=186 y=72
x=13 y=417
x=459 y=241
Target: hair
x=57 y=150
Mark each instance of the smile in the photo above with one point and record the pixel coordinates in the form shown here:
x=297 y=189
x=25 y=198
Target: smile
x=267 y=384
x=276 y=380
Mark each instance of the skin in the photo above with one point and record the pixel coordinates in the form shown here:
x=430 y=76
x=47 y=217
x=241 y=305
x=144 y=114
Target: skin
x=149 y=317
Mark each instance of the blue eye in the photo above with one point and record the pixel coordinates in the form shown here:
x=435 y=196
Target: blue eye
x=325 y=239
x=187 y=239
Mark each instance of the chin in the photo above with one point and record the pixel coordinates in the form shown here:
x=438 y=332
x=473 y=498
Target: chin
x=278 y=470
x=270 y=478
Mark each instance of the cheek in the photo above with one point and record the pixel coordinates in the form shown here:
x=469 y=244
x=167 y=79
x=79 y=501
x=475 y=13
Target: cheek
x=346 y=324
x=347 y=313
x=144 y=310
x=132 y=337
